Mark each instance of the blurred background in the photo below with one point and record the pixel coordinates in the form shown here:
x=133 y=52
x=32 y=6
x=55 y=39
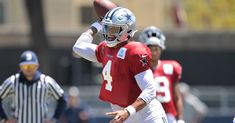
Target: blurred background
x=200 y=35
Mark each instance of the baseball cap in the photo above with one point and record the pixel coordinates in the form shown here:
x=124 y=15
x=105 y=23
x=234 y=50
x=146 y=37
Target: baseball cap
x=28 y=57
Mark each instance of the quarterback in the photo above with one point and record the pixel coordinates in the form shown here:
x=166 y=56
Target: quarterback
x=128 y=82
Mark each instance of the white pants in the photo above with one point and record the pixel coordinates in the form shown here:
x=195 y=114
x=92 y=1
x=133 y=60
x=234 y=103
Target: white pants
x=170 y=118
x=152 y=113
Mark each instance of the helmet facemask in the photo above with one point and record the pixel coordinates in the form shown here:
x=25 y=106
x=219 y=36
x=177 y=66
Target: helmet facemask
x=113 y=34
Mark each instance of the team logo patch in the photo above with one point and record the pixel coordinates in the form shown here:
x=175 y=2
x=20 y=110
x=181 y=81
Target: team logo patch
x=144 y=60
x=29 y=57
x=122 y=53
x=168 y=69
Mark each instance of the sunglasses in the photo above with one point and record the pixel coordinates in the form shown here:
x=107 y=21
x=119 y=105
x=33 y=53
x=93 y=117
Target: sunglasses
x=28 y=67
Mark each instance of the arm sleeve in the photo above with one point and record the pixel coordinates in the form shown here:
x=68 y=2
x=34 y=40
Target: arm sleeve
x=61 y=105
x=145 y=81
x=2 y=113
x=84 y=48
x=54 y=89
x=5 y=89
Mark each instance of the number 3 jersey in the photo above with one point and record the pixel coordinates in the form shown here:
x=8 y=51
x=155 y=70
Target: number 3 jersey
x=120 y=65
x=166 y=74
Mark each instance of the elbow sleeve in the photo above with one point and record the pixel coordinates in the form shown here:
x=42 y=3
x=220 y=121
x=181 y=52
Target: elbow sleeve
x=145 y=81
x=84 y=48
x=85 y=37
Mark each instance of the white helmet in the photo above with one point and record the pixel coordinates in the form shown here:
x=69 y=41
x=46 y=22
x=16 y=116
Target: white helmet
x=118 y=25
x=153 y=36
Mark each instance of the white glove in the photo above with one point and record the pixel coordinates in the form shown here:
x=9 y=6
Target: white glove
x=180 y=121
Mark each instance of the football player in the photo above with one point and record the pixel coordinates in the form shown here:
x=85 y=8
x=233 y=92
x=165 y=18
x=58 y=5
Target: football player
x=167 y=74
x=128 y=82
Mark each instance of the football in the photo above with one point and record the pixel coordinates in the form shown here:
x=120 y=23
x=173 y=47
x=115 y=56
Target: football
x=102 y=7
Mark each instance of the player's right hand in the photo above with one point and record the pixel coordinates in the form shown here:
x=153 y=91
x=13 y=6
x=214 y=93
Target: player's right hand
x=119 y=116
x=10 y=121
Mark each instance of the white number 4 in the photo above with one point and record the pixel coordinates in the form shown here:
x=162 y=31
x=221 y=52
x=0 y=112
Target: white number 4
x=106 y=75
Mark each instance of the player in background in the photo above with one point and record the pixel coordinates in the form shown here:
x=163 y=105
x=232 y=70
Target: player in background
x=167 y=74
x=128 y=80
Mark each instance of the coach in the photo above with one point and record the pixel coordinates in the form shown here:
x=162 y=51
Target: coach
x=31 y=91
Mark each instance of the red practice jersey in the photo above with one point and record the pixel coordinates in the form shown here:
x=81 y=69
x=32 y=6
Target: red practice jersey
x=166 y=74
x=120 y=65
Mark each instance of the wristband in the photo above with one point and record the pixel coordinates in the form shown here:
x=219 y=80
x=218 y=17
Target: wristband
x=97 y=25
x=131 y=110
x=180 y=121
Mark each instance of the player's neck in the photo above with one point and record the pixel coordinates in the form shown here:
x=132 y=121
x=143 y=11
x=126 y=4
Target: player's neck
x=30 y=78
x=154 y=65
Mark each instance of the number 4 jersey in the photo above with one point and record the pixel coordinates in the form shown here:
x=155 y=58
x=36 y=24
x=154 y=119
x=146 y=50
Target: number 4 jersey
x=166 y=74
x=120 y=65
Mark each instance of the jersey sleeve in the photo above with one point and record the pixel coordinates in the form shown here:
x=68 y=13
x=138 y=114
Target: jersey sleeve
x=139 y=60
x=177 y=71
x=7 y=87
x=99 y=52
x=54 y=89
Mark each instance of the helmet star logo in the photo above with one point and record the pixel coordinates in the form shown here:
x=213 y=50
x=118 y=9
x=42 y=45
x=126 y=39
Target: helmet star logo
x=128 y=17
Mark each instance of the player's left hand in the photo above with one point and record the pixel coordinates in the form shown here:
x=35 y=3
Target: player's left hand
x=119 y=116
